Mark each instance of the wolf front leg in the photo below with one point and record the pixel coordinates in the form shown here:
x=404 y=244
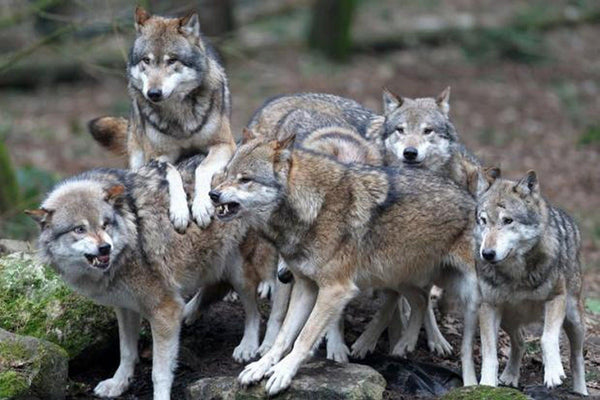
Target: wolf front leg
x=554 y=315
x=331 y=301
x=217 y=158
x=166 y=326
x=279 y=306
x=304 y=293
x=489 y=322
x=129 y=329
x=179 y=211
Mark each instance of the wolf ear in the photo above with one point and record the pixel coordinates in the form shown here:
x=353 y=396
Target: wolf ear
x=40 y=215
x=391 y=101
x=141 y=16
x=114 y=194
x=285 y=140
x=491 y=174
x=443 y=101
x=248 y=135
x=190 y=25
x=528 y=184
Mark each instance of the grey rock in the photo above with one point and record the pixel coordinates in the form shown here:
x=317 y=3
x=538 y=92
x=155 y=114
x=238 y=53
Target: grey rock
x=31 y=368
x=323 y=380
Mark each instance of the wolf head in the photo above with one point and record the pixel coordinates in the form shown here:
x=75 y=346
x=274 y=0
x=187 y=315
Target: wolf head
x=417 y=132
x=510 y=217
x=82 y=232
x=255 y=178
x=168 y=58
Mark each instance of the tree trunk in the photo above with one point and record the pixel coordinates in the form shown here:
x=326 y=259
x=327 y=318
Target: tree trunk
x=330 y=27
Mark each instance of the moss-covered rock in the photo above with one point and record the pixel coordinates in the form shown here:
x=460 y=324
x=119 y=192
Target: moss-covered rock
x=35 y=301
x=484 y=393
x=31 y=368
x=324 y=380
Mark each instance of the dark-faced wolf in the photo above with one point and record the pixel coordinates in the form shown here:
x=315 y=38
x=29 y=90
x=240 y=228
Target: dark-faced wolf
x=340 y=229
x=107 y=233
x=529 y=270
x=180 y=106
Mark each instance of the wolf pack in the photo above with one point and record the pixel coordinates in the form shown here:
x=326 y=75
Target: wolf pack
x=321 y=200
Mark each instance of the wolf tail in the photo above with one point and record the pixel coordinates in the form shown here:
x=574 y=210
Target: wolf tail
x=110 y=133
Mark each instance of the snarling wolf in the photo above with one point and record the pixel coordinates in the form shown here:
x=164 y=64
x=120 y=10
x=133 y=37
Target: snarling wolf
x=180 y=106
x=340 y=229
x=529 y=270
x=107 y=233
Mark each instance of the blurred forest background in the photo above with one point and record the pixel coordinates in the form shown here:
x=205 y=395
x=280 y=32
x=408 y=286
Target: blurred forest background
x=525 y=79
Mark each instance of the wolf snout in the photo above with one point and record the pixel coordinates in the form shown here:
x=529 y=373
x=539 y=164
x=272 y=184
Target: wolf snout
x=410 y=153
x=155 y=94
x=488 y=254
x=214 y=195
x=104 y=249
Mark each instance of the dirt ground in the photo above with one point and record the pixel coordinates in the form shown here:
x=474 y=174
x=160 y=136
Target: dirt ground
x=518 y=116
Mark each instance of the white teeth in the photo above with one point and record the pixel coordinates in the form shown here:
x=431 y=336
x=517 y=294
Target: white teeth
x=226 y=208
x=95 y=261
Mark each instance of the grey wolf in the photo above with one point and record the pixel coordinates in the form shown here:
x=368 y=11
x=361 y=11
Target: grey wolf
x=341 y=228
x=107 y=233
x=418 y=133
x=180 y=106
x=529 y=270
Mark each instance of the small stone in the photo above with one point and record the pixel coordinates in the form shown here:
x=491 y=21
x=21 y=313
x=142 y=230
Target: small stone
x=323 y=380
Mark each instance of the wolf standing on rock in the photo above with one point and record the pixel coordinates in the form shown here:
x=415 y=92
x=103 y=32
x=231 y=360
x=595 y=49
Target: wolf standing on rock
x=181 y=106
x=528 y=270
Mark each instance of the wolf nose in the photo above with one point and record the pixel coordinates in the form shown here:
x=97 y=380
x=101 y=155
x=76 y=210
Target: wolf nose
x=488 y=254
x=104 y=249
x=214 y=195
x=155 y=94
x=410 y=153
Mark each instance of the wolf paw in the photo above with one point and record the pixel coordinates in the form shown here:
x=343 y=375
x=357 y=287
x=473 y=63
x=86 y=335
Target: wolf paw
x=404 y=346
x=338 y=353
x=179 y=213
x=244 y=352
x=553 y=375
x=281 y=375
x=509 y=379
x=111 y=387
x=255 y=371
x=440 y=346
x=264 y=288
x=363 y=346
x=202 y=210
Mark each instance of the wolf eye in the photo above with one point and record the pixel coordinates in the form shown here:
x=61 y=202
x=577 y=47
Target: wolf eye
x=146 y=60
x=507 y=221
x=171 y=61
x=245 y=179
x=106 y=223
x=427 y=131
x=79 y=229
x=400 y=129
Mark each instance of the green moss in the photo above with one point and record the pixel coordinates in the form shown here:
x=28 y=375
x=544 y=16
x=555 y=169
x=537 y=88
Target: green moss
x=484 y=393
x=34 y=301
x=12 y=384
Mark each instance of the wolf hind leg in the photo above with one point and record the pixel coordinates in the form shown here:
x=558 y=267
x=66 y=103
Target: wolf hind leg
x=510 y=375
x=367 y=341
x=435 y=340
x=575 y=329
x=279 y=306
x=129 y=329
x=417 y=298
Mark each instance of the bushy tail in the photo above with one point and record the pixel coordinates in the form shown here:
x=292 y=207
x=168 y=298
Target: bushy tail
x=110 y=132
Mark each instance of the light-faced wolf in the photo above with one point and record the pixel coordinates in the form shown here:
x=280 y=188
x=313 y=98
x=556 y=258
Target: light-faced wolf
x=107 y=233
x=529 y=270
x=341 y=228
x=180 y=106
